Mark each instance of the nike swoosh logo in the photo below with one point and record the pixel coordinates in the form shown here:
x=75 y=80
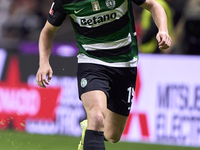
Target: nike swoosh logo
x=77 y=11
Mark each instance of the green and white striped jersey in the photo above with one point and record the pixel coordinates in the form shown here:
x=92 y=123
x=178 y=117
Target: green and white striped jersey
x=104 y=29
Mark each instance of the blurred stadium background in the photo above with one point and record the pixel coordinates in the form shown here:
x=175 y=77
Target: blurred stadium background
x=166 y=107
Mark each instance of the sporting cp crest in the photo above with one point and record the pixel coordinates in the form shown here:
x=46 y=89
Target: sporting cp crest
x=83 y=82
x=110 y=4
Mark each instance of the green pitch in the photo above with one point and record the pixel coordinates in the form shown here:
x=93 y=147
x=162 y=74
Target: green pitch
x=11 y=140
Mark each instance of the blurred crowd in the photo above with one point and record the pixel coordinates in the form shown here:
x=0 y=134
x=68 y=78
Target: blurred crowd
x=183 y=25
x=22 y=20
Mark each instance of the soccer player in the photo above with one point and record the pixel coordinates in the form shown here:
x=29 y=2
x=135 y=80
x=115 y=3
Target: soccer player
x=107 y=60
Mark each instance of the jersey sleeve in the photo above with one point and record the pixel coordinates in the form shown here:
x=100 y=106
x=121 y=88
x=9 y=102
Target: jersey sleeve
x=56 y=14
x=139 y=2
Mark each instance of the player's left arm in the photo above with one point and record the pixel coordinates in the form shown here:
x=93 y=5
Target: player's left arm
x=160 y=19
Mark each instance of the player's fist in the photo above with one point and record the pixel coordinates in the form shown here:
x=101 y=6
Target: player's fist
x=44 y=75
x=164 y=40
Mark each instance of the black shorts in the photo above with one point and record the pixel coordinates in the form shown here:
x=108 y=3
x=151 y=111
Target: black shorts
x=117 y=83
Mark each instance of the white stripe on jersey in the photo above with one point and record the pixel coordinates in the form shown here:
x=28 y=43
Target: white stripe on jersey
x=82 y=58
x=108 y=45
x=102 y=18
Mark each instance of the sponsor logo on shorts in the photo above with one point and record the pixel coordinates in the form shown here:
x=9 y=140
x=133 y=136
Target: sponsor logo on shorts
x=83 y=82
x=110 y=4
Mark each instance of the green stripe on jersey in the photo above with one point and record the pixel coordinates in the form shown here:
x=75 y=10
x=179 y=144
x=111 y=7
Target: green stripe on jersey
x=120 y=58
x=90 y=14
x=108 y=38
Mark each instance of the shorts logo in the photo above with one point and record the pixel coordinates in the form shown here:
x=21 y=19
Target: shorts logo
x=83 y=82
x=110 y=4
x=95 y=5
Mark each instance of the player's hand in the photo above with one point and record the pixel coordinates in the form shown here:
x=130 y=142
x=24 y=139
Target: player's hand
x=44 y=75
x=164 y=40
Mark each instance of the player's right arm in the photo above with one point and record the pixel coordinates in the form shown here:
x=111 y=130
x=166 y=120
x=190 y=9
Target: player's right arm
x=55 y=18
x=45 y=72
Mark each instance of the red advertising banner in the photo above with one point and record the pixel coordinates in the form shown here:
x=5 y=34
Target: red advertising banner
x=19 y=101
x=24 y=106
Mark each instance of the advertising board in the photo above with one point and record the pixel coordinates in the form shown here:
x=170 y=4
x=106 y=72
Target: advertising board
x=165 y=108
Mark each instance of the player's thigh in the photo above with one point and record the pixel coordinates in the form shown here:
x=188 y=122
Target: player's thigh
x=95 y=104
x=114 y=126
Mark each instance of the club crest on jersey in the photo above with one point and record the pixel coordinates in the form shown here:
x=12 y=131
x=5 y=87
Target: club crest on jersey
x=110 y=4
x=95 y=5
x=51 y=11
